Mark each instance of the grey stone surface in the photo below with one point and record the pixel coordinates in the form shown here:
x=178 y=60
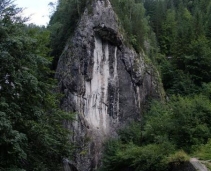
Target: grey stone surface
x=103 y=81
x=198 y=165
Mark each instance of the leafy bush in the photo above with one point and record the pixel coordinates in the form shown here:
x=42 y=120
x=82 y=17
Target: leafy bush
x=178 y=157
x=150 y=157
x=131 y=133
x=109 y=156
x=204 y=151
x=120 y=156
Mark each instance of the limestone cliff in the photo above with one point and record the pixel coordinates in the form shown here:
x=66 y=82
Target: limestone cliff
x=105 y=83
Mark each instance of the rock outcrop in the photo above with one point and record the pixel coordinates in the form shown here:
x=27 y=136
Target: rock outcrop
x=193 y=165
x=104 y=82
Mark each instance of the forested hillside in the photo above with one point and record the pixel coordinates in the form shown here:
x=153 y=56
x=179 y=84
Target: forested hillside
x=183 y=33
x=176 y=37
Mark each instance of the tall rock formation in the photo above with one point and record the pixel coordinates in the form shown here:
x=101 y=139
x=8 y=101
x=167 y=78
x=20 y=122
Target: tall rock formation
x=105 y=83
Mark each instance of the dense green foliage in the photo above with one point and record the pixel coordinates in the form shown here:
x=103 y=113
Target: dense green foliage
x=185 y=121
x=31 y=133
x=183 y=34
x=120 y=156
x=204 y=151
x=132 y=18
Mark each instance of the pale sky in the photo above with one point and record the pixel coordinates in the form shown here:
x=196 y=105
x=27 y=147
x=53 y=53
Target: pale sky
x=37 y=9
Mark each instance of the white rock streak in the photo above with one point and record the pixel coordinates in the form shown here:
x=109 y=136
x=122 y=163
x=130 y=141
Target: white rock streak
x=95 y=109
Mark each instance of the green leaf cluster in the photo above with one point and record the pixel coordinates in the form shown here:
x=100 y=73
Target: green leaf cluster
x=204 y=151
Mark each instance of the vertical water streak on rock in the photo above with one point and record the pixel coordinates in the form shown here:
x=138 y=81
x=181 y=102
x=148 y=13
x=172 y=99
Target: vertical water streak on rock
x=96 y=89
x=116 y=79
x=138 y=96
x=105 y=80
x=115 y=63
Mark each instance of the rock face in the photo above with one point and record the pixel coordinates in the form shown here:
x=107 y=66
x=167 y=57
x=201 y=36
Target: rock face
x=105 y=83
x=192 y=165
